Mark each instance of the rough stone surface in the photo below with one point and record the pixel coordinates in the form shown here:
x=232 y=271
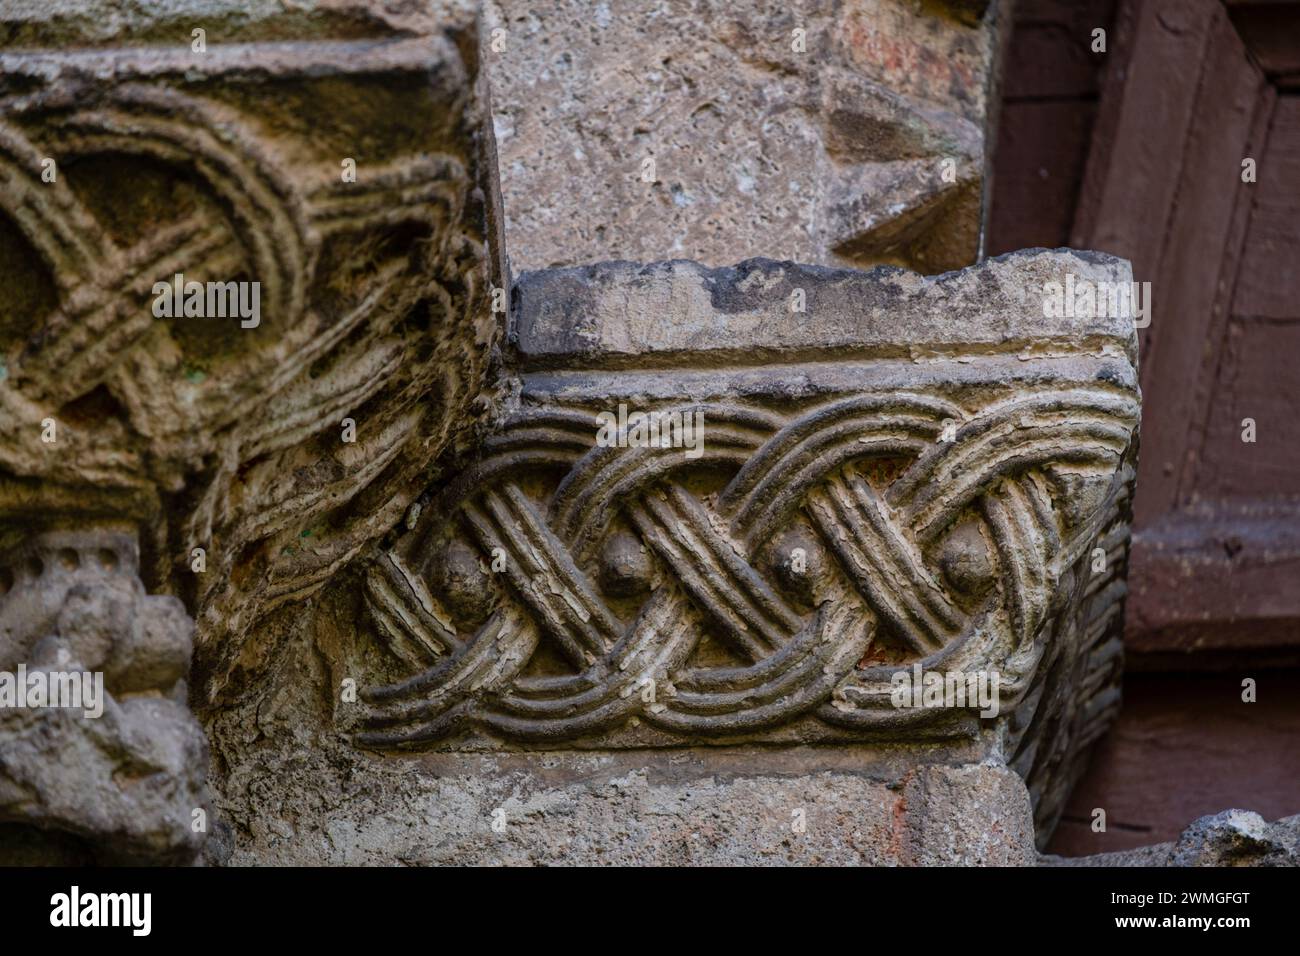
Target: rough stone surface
x=834 y=155
x=584 y=810
x=120 y=787
x=110 y=23
x=295 y=791
x=623 y=313
x=1229 y=838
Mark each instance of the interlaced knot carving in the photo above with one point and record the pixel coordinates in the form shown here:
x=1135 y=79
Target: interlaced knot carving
x=956 y=562
x=246 y=423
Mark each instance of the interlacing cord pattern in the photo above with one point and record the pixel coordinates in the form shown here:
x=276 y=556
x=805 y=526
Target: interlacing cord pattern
x=1038 y=472
x=237 y=432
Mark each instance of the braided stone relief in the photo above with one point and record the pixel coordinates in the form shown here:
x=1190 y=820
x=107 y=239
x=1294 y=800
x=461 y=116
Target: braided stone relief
x=898 y=476
x=245 y=305
x=210 y=432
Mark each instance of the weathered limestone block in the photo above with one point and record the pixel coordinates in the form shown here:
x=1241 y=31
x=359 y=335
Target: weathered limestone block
x=874 y=474
x=739 y=806
x=838 y=132
x=570 y=645
x=316 y=182
x=117 y=778
x=111 y=23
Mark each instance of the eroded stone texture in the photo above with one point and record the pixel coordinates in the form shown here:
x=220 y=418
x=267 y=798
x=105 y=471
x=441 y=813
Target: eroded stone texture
x=833 y=153
x=894 y=470
x=109 y=23
x=121 y=786
x=747 y=807
x=908 y=472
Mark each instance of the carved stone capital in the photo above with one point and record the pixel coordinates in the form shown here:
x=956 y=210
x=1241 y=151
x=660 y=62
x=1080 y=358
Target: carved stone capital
x=676 y=522
x=338 y=180
x=246 y=255
x=906 y=476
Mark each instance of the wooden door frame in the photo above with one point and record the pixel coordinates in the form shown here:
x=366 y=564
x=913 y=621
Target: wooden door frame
x=1189 y=91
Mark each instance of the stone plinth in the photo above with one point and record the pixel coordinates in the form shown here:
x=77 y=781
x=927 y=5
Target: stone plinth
x=742 y=806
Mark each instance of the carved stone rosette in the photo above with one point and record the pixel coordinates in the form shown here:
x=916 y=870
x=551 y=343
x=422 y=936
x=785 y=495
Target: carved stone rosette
x=908 y=472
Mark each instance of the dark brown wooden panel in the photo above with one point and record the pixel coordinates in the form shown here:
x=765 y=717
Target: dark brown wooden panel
x=1073 y=18
x=1050 y=86
x=1197 y=264
x=1269 y=282
x=1132 y=174
x=1162 y=191
x=1258 y=379
x=1183 y=104
x=1186 y=746
x=1272 y=31
x=1051 y=61
x=1219 y=579
x=1041 y=151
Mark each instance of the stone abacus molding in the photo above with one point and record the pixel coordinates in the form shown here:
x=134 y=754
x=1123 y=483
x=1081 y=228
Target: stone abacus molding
x=946 y=494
